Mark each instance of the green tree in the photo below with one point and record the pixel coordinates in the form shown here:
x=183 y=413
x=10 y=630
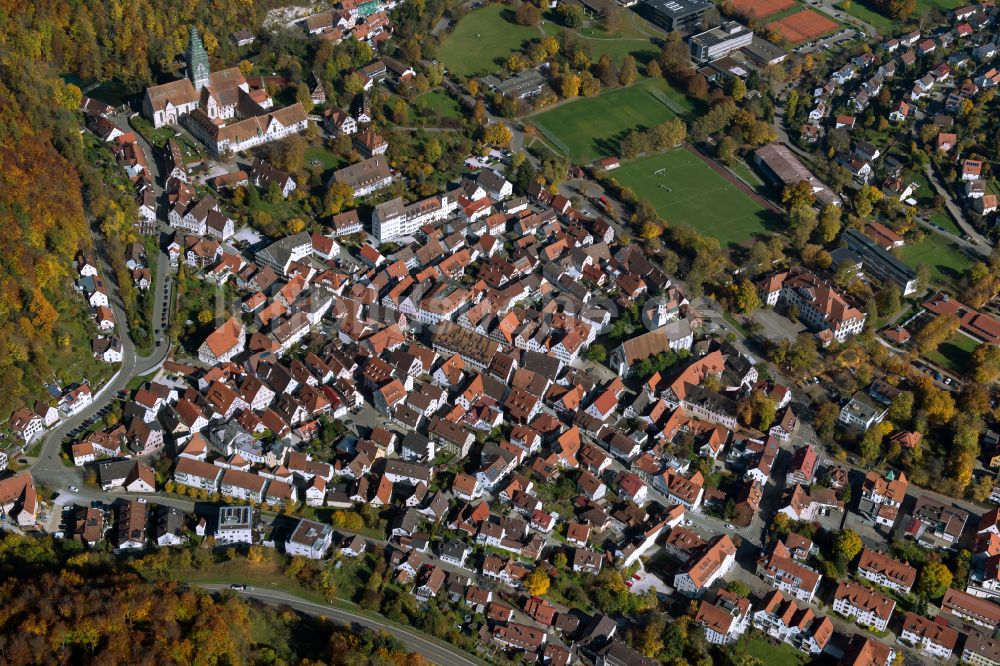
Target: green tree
x=571 y=15
x=736 y=88
x=901 y=408
x=726 y=151
x=597 y=353
x=739 y=588
x=829 y=223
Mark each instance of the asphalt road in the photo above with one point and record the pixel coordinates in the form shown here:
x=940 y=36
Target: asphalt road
x=434 y=651
x=48 y=468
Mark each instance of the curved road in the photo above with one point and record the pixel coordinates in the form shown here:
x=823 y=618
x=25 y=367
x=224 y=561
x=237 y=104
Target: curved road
x=48 y=469
x=436 y=651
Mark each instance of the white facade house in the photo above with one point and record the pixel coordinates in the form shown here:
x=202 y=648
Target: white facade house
x=235 y=525
x=309 y=539
x=866 y=607
x=712 y=565
x=934 y=638
x=394 y=219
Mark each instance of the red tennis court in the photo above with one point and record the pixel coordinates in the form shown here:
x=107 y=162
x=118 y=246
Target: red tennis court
x=803 y=26
x=761 y=8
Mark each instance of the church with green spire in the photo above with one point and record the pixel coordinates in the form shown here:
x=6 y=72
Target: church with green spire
x=197 y=61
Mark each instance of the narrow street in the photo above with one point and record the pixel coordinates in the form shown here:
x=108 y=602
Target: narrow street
x=982 y=244
x=48 y=468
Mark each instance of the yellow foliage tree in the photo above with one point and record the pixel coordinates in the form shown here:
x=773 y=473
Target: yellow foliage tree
x=537 y=582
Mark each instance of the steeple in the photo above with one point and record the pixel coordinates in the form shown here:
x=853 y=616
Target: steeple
x=197 y=61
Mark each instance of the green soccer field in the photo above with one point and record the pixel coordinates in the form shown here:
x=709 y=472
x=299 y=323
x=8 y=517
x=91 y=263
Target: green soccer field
x=686 y=191
x=590 y=128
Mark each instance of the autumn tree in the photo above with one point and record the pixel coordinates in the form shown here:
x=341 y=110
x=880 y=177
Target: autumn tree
x=498 y=134
x=570 y=85
x=825 y=419
x=629 y=71
x=338 y=197
x=798 y=194
x=934 y=580
x=746 y=297
x=936 y=331
x=846 y=546
x=537 y=582
x=984 y=363
x=605 y=70
x=527 y=14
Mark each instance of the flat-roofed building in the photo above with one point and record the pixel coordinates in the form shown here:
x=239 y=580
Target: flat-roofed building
x=720 y=41
x=880 y=264
x=235 y=525
x=676 y=14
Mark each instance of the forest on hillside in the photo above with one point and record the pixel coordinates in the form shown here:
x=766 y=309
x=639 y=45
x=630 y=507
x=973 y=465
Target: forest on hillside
x=62 y=605
x=49 y=183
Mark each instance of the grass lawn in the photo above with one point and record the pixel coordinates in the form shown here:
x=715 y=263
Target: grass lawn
x=954 y=353
x=780 y=655
x=865 y=13
x=944 y=6
x=618 y=45
x=690 y=193
x=946 y=260
x=589 y=128
x=482 y=39
x=748 y=175
x=440 y=103
x=925 y=191
x=325 y=157
x=944 y=221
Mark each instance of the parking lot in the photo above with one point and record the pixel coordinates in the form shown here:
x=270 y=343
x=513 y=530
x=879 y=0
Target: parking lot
x=775 y=326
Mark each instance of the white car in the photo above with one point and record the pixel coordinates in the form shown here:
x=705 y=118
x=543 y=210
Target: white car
x=74 y=489
x=730 y=526
x=141 y=500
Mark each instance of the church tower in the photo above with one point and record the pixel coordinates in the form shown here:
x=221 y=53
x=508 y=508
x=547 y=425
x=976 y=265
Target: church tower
x=197 y=61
